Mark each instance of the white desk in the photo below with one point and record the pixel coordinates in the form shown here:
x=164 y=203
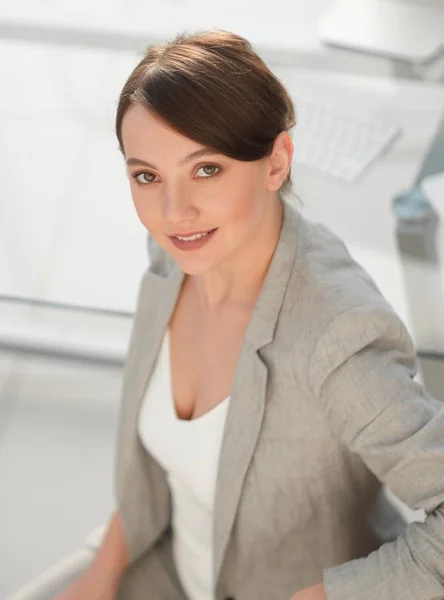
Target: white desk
x=70 y=234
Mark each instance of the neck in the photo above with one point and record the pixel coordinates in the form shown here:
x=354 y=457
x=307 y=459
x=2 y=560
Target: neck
x=238 y=282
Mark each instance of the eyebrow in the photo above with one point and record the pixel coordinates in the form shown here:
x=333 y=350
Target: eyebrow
x=183 y=161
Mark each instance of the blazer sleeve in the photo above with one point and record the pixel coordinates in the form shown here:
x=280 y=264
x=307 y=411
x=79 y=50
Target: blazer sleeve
x=362 y=372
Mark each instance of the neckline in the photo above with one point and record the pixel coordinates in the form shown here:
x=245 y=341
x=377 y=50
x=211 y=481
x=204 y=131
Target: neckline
x=204 y=416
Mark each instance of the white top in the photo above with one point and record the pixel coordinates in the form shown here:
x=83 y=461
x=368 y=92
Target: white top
x=188 y=450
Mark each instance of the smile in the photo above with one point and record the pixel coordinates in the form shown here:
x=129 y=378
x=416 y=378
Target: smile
x=196 y=236
x=194 y=241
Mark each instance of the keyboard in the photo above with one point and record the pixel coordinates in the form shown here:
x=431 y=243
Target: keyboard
x=338 y=144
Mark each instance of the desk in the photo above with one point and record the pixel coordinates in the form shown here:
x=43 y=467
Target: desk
x=91 y=246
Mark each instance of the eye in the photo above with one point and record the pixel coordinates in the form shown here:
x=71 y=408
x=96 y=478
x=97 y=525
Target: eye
x=146 y=177
x=142 y=180
x=209 y=170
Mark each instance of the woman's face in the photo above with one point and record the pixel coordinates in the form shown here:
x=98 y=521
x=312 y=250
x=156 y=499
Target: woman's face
x=177 y=193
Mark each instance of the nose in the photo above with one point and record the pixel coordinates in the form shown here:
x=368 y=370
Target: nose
x=178 y=207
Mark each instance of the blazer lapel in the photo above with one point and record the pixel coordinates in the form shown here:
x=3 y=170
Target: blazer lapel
x=248 y=394
x=244 y=418
x=157 y=303
x=157 y=298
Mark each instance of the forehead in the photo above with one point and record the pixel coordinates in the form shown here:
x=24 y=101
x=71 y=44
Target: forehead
x=142 y=133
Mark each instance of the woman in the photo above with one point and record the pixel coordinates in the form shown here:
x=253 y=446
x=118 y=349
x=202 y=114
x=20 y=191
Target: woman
x=268 y=388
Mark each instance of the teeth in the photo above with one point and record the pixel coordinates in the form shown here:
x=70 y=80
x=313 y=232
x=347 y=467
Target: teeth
x=192 y=237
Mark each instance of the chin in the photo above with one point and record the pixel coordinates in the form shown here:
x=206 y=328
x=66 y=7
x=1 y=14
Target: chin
x=195 y=269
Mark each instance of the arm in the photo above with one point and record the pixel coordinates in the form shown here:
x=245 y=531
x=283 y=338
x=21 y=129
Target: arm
x=101 y=579
x=112 y=557
x=362 y=374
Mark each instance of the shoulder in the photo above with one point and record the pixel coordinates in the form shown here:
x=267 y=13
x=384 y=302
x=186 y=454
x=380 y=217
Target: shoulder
x=326 y=280
x=339 y=309
x=331 y=301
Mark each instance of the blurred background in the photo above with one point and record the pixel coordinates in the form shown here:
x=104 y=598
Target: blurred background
x=367 y=79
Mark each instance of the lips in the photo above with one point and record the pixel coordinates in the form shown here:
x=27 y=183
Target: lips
x=189 y=234
x=194 y=244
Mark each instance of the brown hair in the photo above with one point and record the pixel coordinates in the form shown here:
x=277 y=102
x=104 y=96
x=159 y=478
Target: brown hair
x=213 y=88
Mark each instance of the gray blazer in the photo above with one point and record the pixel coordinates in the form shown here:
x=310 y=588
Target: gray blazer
x=323 y=409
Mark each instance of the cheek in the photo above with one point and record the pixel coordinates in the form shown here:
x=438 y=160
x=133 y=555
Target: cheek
x=236 y=213
x=242 y=202
x=246 y=209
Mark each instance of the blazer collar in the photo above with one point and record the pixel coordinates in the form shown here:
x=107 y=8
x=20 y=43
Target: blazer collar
x=264 y=316
x=158 y=296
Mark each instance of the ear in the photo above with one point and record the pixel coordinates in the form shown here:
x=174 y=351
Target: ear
x=280 y=160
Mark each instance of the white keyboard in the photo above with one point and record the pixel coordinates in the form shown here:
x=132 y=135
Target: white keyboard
x=336 y=143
